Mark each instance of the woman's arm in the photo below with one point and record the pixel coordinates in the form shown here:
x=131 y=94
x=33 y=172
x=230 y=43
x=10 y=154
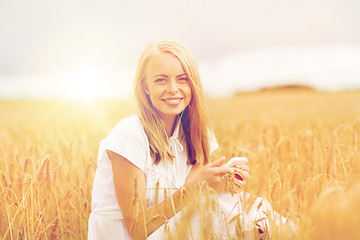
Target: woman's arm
x=130 y=189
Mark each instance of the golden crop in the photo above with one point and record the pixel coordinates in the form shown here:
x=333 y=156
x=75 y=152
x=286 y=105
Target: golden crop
x=303 y=149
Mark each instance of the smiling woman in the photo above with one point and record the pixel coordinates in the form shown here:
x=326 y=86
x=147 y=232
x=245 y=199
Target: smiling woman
x=154 y=166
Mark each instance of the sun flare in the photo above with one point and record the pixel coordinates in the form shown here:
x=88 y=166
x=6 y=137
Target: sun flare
x=86 y=84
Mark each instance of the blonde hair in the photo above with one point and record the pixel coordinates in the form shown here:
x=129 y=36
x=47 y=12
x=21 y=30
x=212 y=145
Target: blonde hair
x=194 y=119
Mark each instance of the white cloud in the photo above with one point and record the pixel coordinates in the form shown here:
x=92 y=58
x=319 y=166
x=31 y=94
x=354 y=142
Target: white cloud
x=40 y=38
x=331 y=67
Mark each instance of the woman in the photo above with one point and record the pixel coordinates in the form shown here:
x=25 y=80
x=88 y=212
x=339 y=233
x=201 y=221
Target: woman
x=150 y=165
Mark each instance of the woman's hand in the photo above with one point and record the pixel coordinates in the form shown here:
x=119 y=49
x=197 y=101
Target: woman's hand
x=219 y=177
x=212 y=174
x=241 y=174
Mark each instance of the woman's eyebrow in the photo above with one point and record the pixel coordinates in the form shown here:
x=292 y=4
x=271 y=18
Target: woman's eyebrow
x=160 y=75
x=184 y=74
x=163 y=75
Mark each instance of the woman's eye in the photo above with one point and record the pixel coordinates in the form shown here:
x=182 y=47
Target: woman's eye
x=160 y=80
x=183 y=79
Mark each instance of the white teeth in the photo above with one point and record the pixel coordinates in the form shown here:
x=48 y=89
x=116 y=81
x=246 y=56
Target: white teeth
x=172 y=100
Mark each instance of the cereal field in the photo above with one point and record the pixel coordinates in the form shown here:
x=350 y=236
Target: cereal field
x=303 y=149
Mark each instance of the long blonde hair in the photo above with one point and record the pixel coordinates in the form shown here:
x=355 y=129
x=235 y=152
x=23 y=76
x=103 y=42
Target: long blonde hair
x=194 y=118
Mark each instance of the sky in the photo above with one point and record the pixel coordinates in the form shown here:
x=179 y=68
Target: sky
x=88 y=49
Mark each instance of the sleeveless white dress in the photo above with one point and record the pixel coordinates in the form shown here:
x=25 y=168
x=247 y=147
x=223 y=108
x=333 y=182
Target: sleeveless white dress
x=129 y=140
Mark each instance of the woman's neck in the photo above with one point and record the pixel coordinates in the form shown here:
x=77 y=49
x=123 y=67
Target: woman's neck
x=169 y=125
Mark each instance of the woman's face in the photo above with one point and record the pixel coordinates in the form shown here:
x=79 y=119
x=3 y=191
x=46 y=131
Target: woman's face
x=167 y=84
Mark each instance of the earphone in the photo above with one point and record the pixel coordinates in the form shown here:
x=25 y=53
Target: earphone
x=147 y=92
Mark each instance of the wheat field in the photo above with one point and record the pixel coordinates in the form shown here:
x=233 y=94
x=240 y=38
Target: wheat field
x=303 y=149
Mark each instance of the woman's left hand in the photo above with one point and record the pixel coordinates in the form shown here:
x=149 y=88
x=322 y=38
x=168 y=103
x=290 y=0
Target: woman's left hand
x=240 y=175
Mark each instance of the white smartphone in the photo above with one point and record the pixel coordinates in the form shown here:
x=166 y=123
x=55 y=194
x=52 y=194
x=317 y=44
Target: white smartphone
x=236 y=161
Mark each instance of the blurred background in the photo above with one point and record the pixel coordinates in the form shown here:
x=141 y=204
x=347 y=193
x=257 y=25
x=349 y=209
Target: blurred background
x=303 y=146
x=89 y=49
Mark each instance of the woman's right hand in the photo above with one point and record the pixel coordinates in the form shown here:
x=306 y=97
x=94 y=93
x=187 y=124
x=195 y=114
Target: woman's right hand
x=212 y=174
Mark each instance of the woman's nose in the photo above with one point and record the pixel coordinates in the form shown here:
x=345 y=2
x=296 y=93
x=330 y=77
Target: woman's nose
x=172 y=87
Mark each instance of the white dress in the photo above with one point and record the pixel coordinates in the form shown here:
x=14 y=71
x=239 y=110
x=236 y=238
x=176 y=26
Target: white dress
x=129 y=140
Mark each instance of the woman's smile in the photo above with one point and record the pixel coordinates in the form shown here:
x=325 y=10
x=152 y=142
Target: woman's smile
x=172 y=101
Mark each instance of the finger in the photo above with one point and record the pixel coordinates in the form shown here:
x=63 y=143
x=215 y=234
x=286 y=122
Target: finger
x=217 y=163
x=235 y=172
x=243 y=167
x=245 y=175
x=238 y=176
x=240 y=184
x=221 y=171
